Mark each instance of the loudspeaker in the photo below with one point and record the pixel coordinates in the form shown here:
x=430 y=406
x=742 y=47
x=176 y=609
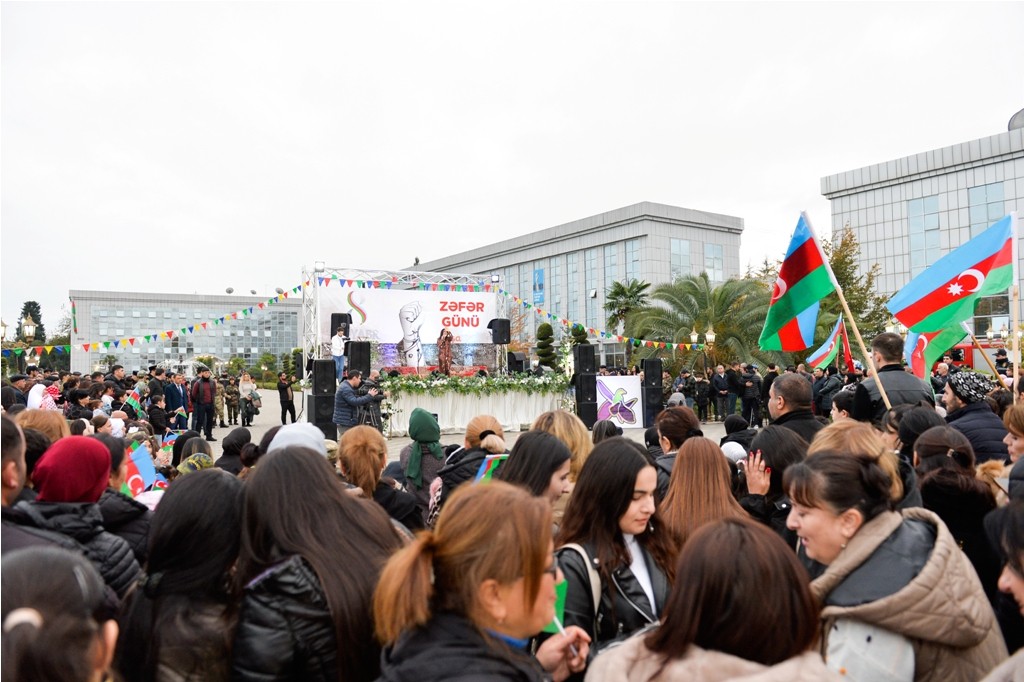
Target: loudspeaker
x=584 y=358
x=501 y=330
x=586 y=388
x=651 y=397
x=516 y=362
x=297 y=363
x=337 y=319
x=652 y=368
x=357 y=356
x=587 y=412
x=324 y=380
x=320 y=411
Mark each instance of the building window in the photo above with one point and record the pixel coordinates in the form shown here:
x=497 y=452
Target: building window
x=590 y=285
x=633 y=259
x=986 y=203
x=611 y=264
x=923 y=225
x=573 y=288
x=714 y=262
x=555 y=285
x=136 y=313
x=151 y=313
x=679 y=265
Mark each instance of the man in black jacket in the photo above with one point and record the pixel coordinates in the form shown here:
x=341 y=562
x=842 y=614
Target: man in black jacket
x=902 y=387
x=720 y=391
x=203 y=393
x=970 y=415
x=789 y=403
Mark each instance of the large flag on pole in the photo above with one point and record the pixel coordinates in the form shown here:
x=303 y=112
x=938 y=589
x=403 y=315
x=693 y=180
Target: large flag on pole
x=804 y=279
x=922 y=349
x=947 y=291
x=827 y=352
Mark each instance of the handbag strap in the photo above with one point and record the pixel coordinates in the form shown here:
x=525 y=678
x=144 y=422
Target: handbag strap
x=595 y=578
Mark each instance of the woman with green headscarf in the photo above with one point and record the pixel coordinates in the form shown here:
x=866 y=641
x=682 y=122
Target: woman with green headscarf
x=423 y=458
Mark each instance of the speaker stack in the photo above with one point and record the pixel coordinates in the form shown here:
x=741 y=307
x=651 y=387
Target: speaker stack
x=357 y=356
x=585 y=364
x=651 y=389
x=516 y=362
x=339 y=319
x=501 y=331
x=320 y=402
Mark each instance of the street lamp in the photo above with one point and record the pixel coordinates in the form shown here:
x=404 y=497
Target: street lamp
x=28 y=328
x=3 y=330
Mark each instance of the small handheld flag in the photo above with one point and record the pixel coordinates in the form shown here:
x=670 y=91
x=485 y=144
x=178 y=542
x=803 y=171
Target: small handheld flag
x=488 y=467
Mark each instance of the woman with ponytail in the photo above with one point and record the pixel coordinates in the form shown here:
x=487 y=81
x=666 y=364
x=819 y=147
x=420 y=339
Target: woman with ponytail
x=57 y=619
x=900 y=600
x=461 y=602
x=178 y=621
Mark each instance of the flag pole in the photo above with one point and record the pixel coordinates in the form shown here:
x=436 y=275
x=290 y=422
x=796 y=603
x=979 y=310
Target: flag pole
x=869 y=362
x=991 y=365
x=1015 y=311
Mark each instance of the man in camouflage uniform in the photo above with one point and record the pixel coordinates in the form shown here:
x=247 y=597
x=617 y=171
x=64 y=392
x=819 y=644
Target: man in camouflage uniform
x=231 y=398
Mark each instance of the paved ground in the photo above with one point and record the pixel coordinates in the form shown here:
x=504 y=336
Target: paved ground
x=269 y=417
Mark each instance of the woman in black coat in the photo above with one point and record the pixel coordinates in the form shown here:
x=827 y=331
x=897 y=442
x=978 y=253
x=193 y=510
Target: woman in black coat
x=122 y=515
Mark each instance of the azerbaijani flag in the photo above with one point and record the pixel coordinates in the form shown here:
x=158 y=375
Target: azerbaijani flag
x=804 y=279
x=827 y=352
x=946 y=292
x=141 y=472
x=134 y=399
x=922 y=349
x=488 y=467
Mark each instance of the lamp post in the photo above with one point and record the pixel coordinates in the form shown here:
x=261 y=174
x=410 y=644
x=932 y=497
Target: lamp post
x=28 y=333
x=3 y=330
x=709 y=340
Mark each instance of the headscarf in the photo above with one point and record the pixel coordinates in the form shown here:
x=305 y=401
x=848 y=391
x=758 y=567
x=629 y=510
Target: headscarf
x=74 y=469
x=34 y=399
x=302 y=434
x=970 y=387
x=196 y=462
x=424 y=431
x=179 y=445
x=234 y=441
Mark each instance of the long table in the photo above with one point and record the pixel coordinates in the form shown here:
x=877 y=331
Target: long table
x=515 y=411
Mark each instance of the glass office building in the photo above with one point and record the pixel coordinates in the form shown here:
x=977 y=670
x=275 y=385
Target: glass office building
x=106 y=317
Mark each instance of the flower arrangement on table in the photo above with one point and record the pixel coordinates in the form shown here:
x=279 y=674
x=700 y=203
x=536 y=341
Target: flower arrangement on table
x=412 y=384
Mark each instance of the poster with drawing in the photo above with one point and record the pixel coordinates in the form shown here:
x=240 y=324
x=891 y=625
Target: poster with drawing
x=619 y=400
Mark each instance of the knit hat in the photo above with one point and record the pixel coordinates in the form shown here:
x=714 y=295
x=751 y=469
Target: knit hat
x=970 y=387
x=196 y=462
x=303 y=434
x=74 y=469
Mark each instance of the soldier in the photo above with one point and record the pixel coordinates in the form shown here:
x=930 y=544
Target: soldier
x=231 y=398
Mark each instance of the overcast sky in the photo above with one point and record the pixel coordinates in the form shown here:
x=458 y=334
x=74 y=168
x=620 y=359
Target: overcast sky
x=189 y=147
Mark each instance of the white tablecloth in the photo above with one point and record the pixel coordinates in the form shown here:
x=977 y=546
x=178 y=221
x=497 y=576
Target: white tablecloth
x=515 y=411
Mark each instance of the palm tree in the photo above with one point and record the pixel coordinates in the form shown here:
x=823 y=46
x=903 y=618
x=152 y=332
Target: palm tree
x=736 y=309
x=623 y=298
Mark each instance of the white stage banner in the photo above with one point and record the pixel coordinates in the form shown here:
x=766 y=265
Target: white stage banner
x=620 y=400
x=413 y=316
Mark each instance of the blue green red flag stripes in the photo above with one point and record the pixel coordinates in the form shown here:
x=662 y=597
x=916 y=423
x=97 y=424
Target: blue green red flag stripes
x=827 y=352
x=804 y=279
x=922 y=349
x=945 y=293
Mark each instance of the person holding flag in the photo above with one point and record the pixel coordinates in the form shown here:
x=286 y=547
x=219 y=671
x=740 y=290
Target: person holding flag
x=902 y=387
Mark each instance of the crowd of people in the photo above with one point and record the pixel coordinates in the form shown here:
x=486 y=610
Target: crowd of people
x=866 y=544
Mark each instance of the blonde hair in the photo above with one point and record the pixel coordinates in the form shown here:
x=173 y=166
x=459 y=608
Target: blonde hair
x=443 y=569
x=699 y=491
x=50 y=422
x=853 y=437
x=1013 y=419
x=494 y=443
x=568 y=428
x=362 y=453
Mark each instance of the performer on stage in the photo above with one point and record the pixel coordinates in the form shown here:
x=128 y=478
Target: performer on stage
x=444 y=352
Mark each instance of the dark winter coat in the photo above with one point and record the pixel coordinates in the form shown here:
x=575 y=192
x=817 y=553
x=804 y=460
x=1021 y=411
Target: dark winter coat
x=753 y=391
x=766 y=385
x=83 y=523
x=450 y=647
x=624 y=607
x=460 y=467
x=902 y=388
x=702 y=392
x=174 y=397
x=744 y=438
x=285 y=630
x=719 y=383
x=962 y=503
x=802 y=422
x=663 y=466
x=18 y=532
x=830 y=385
x=346 y=404
x=127 y=519
x=772 y=513
x=983 y=429
x=400 y=505
x=158 y=420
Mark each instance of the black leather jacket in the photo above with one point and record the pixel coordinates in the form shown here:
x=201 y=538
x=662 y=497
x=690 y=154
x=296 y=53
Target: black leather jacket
x=127 y=519
x=285 y=630
x=624 y=606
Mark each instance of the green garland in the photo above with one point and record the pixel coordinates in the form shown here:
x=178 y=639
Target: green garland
x=529 y=384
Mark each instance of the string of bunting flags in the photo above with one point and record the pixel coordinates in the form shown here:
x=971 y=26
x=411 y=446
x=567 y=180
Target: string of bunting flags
x=344 y=282
x=599 y=333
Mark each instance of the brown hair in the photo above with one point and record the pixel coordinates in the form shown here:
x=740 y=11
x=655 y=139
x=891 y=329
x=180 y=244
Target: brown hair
x=494 y=442
x=362 y=453
x=700 y=490
x=943 y=447
x=677 y=424
x=443 y=569
x=1013 y=419
x=850 y=436
x=50 y=422
x=567 y=427
x=720 y=604
x=838 y=481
